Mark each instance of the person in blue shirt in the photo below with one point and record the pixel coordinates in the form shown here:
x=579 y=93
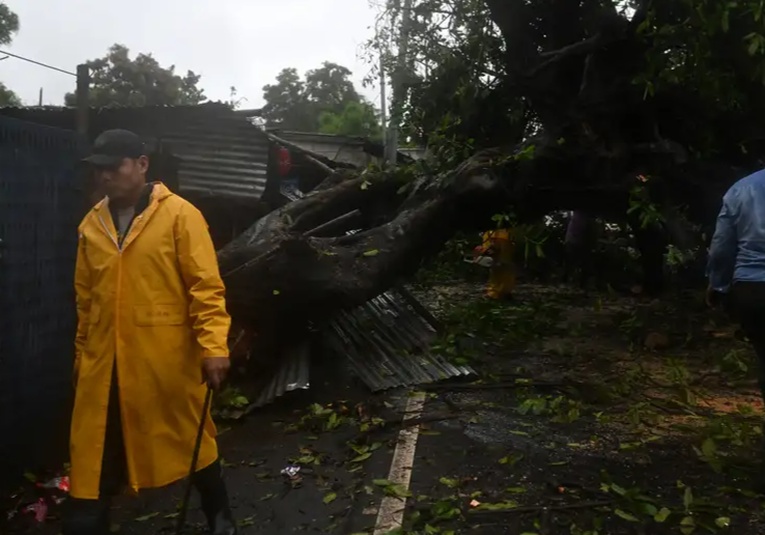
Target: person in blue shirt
x=736 y=263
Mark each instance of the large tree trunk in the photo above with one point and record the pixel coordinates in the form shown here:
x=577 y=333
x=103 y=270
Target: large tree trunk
x=298 y=264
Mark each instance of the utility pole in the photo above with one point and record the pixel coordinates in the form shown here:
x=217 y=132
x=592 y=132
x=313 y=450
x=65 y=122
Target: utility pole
x=398 y=83
x=40 y=101
x=83 y=107
x=383 y=106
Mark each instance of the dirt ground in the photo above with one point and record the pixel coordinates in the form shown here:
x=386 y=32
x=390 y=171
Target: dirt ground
x=593 y=414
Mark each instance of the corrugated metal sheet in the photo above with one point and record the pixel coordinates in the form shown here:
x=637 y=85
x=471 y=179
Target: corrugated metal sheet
x=386 y=340
x=292 y=375
x=222 y=153
x=387 y=344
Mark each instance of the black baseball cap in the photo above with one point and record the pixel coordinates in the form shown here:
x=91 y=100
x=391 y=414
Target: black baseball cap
x=112 y=146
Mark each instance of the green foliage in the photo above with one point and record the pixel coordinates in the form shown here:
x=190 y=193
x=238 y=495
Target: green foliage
x=449 y=264
x=8 y=97
x=641 y=205
x=356 y=119
x=286 y=103
x=447 y=145
x=456 y=62
x=712 y=52
x=325 y=101
x=9 y=24
x=116 y=79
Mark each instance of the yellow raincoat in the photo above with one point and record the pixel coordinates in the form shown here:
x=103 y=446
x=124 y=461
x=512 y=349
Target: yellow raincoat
x=499 y=243
x=154 y=309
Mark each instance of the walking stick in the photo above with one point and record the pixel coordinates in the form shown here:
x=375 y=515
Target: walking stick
x=194 y=459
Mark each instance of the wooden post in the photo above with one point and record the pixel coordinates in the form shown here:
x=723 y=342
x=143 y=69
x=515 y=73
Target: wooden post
x=83 y=108
x=92 y=191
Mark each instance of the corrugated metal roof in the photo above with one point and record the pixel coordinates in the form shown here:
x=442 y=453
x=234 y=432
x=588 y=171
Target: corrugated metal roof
x=221 y=157
x=222 y=154
x=355 y=151
x=343 y=149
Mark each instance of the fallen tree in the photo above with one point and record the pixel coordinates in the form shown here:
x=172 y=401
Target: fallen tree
x=582 y=71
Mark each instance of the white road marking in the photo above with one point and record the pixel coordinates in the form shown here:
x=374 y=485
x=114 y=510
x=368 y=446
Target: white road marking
x=391 y=513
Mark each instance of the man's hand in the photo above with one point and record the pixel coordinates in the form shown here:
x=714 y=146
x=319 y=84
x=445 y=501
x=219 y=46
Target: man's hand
x=215 y=370
x=713 y=297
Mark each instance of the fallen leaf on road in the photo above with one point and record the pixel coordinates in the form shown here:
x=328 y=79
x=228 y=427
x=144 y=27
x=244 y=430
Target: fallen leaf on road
x=501 y=506
x=451 y=483
x=626 y=516
x=392 y=489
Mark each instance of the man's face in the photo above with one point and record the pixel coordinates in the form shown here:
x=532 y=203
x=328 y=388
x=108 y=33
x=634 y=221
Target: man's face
x=122 y=181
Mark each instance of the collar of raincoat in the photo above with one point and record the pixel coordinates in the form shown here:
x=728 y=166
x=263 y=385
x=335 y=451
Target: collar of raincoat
x=159 y=193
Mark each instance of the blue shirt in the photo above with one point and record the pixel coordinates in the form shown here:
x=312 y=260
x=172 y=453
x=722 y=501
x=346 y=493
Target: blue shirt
x=737 y=251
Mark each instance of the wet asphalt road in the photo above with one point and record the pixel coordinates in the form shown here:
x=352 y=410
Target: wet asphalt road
x=473 y=445
x=263 y=500
x=333 y=496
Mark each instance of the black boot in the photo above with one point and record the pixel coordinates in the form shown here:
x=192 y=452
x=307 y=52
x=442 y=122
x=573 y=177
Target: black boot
x=86 y=517
x=215 y=506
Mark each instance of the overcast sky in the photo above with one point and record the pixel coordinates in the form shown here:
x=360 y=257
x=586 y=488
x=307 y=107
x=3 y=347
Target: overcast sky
x=241 y=43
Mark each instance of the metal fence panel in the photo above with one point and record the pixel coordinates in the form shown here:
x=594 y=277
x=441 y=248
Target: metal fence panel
x=40 y=206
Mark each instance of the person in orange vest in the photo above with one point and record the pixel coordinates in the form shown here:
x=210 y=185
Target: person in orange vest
x=499 y=245
x=152 y=330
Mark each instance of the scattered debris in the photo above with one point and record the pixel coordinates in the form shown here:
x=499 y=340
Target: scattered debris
x=292 y=472
x=48 y=495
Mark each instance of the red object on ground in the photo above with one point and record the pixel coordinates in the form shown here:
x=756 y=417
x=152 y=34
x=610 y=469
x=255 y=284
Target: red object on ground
x=60 y=483
x=39 y=509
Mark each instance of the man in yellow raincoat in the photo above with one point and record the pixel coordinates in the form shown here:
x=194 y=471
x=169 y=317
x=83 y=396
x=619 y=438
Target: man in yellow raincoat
x=152 y=330
x=500 y=246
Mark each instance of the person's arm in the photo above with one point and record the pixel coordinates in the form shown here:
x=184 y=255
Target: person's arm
x=82 y=288
x=724 y=246
x=199 y=269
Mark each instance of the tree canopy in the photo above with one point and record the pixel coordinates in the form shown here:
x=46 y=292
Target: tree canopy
x=116 y=79
x=597 y=92
x=9 y=25
x=325 y=100
x=8 y=97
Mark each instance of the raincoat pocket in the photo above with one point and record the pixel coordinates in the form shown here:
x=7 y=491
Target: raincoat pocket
x=160 y=315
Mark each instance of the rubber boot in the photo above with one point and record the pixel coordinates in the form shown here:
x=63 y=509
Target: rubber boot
x=86 y=517
x=214 y=497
